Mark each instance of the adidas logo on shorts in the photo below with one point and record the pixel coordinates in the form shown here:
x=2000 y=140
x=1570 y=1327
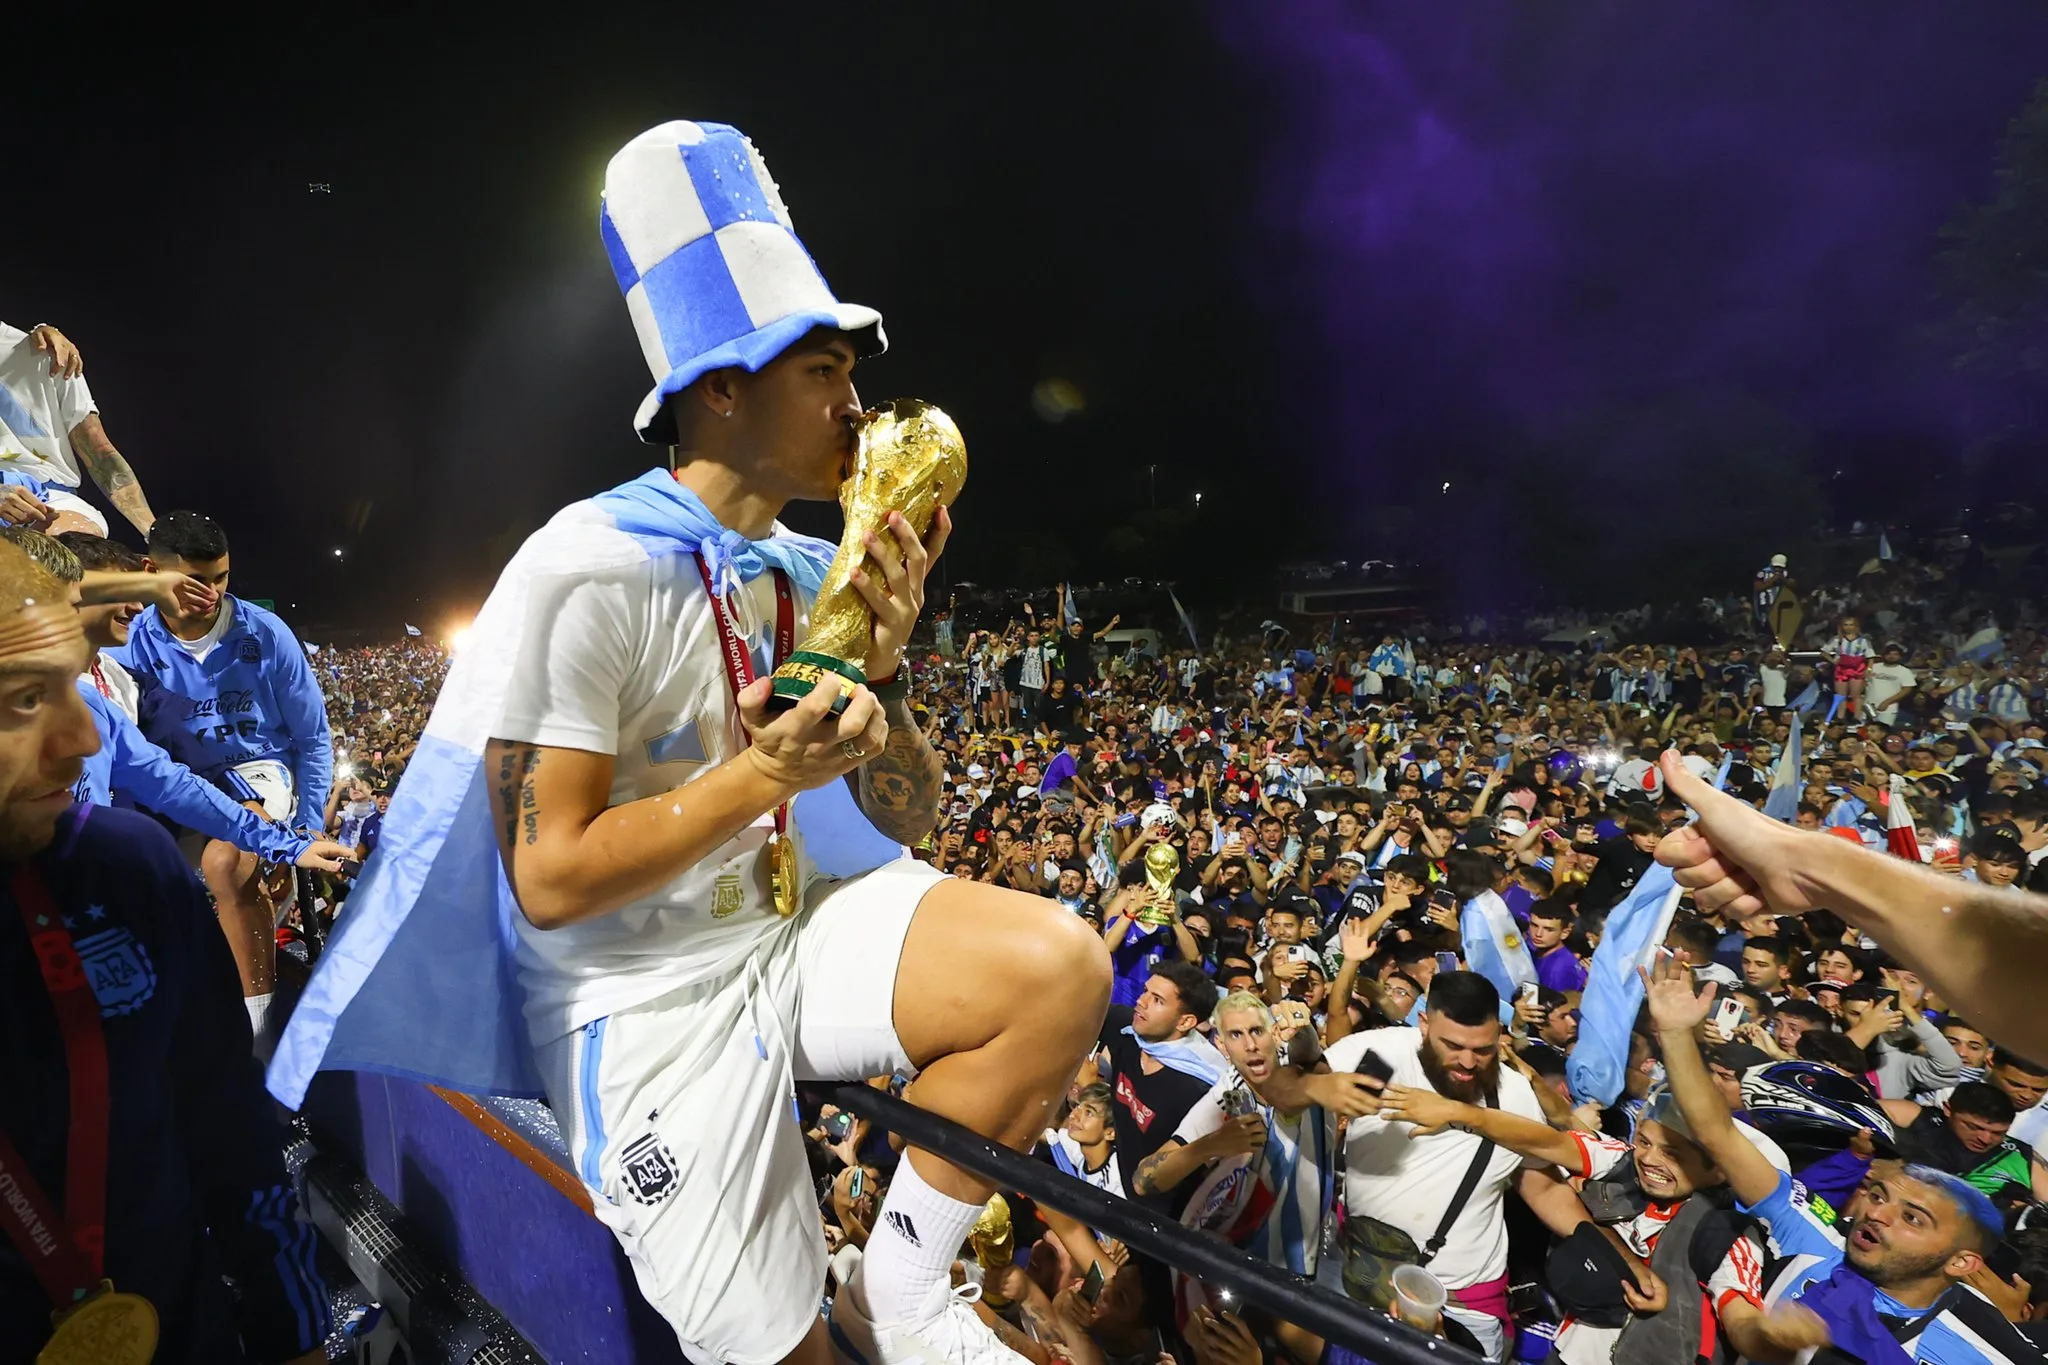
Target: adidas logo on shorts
x=905 y=1229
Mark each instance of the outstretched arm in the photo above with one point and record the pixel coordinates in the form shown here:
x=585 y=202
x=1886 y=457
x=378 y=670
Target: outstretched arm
x=1432 y=1113
x=1676 y=1011
x=1970 y=941
x=111 y=472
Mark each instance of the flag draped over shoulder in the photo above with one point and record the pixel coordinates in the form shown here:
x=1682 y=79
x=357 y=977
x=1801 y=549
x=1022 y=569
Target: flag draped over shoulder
x=1614 y=993
x=418 y=977
x=1493 y=944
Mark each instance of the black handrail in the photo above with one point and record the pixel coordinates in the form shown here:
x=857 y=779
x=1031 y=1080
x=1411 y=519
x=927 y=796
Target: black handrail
x=1288 y=1297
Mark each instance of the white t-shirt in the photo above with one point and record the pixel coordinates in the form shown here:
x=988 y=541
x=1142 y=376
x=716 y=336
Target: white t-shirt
x=1408 y=1181
x=204 y=645
x=1299 y=1158
x=1883 y=680
x=618 y=654
x=1773 y=680
x=1740 y=1274
x=37 y=412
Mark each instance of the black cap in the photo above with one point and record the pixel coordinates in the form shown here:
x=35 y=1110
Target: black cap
x=1738 y=1057
x=1585 y=1273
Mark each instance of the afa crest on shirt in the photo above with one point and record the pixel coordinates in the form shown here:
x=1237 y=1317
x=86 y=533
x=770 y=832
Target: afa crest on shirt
x=249 y=650
x=122 y=977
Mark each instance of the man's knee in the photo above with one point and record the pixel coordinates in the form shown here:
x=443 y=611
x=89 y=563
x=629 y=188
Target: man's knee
x=1069 y=961
x=228 y=870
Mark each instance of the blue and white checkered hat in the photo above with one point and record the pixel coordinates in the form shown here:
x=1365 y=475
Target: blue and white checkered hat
x=709 y=263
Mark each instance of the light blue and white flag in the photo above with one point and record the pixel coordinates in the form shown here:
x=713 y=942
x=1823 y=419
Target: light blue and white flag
x=1069 y=613
x=418 y=977
x=1782 y=801
x=411 y=629
x=1721 y=774
x=1493 y=944
x=1808 y=698
x=1193 y=1055
x=1614 y=993
x=312 y=648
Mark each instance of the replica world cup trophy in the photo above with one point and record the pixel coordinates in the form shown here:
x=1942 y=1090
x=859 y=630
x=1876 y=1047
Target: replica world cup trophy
x=910 y=459
x=1162 y=866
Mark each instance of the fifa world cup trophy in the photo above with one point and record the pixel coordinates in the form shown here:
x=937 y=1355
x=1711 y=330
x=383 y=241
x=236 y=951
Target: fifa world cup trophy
x=909 y=459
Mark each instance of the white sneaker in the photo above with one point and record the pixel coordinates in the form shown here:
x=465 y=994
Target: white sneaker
x=946 y=1332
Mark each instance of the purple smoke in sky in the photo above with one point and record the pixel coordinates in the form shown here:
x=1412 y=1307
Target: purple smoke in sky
x=1476 y=220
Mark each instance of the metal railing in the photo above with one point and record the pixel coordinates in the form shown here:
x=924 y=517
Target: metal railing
x=1286 y=1296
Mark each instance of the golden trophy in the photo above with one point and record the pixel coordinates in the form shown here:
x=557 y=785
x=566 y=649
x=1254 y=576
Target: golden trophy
x=995 y=1247
x=1162 y=865
x=909 y=459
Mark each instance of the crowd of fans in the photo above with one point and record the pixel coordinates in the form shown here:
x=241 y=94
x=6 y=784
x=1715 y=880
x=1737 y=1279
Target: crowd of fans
x=1354 y=886
x=1279 y=845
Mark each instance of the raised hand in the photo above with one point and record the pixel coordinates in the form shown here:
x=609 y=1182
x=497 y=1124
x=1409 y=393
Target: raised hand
x=1673 y=1005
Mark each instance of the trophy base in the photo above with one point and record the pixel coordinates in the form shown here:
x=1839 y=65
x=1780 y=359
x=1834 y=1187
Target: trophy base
x=803 y=672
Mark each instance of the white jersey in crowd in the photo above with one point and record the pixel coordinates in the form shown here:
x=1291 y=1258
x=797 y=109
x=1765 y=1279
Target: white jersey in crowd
x=1408 y=1181
x=1884 y=682
x=37 y=412
x=616 y=653
x=1069 y=1157
x=1298 y=1161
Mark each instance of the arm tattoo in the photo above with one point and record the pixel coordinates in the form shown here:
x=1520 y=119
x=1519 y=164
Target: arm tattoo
x=899 y=787
x=1145 y=1180
x=110 y=471
x=518 y=805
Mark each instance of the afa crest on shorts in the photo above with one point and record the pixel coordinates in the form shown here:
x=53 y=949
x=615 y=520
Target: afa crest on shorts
x=648 y=1169
x=121 y=974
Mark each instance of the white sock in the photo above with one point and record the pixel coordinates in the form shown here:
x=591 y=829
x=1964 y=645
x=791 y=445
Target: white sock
x=259 y=1020
x=912 y=1247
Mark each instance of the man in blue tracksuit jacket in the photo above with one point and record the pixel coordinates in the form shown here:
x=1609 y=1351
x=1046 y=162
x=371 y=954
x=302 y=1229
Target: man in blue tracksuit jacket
x=227 y=692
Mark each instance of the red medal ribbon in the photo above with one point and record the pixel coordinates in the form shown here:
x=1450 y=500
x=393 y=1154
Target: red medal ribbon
x=99 y=679
x=65 y=1252
x=739 y=663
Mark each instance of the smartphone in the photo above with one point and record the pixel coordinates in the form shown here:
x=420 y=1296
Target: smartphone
x=1889 y=997
x=1376 y=1066
x=1447 y=962
x=1091 y=1285
x=858 y=1186
x=1728 y=1016
x=1443 y=898
x=1529 y=992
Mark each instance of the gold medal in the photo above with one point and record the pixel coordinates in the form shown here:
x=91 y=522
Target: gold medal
x=785 y=877
x=110 y=1328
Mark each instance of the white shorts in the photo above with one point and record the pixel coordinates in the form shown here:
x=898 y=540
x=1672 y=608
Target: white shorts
x=269 y=781
x=64 y=500
x=680 y=1115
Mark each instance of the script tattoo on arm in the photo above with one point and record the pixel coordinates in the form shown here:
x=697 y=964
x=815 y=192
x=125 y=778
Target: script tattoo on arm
x=111 y=472
x=518 y=806
x=899 y=787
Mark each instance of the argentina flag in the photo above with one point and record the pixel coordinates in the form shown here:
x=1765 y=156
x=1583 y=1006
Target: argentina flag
x=1493 y=944
x=1614 y=993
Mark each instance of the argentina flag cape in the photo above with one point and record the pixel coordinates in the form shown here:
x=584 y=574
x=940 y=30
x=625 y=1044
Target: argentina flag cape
x=1193 y=1055
x=1493 y=944
x=418 y=980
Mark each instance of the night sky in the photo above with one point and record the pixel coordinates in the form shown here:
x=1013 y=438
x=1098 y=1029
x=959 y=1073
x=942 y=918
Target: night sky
x=1313 y=258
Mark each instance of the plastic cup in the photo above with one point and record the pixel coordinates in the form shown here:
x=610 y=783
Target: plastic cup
x=1419 y=1297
